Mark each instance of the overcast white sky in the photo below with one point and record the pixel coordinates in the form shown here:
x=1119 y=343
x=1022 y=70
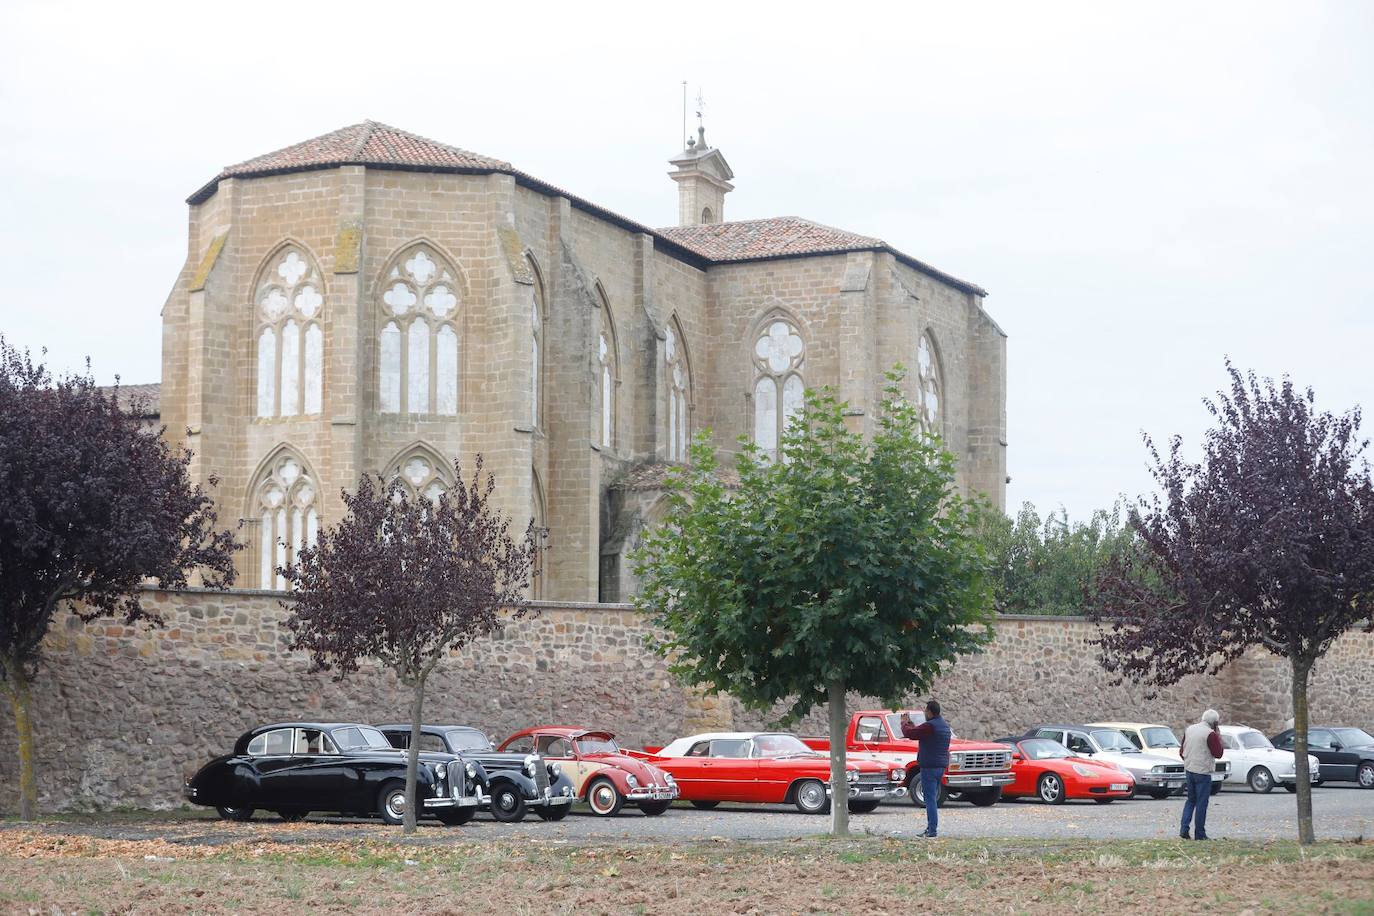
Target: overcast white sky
x=1143 y=188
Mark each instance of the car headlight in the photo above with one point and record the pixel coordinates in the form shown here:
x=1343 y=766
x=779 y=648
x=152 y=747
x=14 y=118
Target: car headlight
x=1158 y=769
x=852 y=775
x=668 y=778
x=1082 y=770
x=440 y=770
x=956 y=761
x=896 y=775
x=555 y=771
x=529 y=766
x=632 y=780
x=472 y=771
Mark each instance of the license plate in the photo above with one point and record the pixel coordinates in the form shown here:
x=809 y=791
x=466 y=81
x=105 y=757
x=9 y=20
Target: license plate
x=1119 y=787
x=985 y=781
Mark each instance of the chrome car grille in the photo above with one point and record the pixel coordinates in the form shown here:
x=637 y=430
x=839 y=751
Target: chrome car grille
x=1171 y=770
x=984 y=760
x=872 y=779
x=541 y=775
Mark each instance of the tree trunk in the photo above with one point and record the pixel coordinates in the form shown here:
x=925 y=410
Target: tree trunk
x=1301 y=669
x=839 y=783
x=417 y=706
x=20 y=702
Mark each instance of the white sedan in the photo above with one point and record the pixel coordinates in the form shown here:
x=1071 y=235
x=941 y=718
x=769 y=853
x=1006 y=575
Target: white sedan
x=1261 y=765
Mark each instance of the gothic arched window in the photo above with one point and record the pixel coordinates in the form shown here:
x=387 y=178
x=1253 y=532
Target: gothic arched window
x=541 y=536
x=608 y=371
x=679 y=394
x=928 y=379
x=778 y=386
x=287 y=514
x=536 y=357
x=418 y=346
x=422 y=473
x=290 y=342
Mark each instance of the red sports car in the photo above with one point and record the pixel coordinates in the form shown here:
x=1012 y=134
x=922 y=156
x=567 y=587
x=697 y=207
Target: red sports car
x=1049 y=771
x=769 y=768
x=600 y=772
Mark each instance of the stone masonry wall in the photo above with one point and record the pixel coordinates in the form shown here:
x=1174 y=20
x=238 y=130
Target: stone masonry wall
x=123 y=715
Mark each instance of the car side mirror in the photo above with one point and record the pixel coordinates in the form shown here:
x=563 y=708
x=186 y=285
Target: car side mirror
x=1017 y=755
x=1336 y=745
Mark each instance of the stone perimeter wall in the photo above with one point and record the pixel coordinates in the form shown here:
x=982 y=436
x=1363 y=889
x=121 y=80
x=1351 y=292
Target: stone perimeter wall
x=123 y=715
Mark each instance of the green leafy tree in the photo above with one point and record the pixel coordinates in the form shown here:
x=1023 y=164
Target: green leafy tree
x=850 y=565
x=1048 y=566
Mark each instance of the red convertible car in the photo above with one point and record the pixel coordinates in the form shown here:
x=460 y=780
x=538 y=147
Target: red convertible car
x=600 y=772
x=1049 y=771
x=769 y=768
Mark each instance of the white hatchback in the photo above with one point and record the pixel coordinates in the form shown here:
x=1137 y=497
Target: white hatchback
x=1261 y=765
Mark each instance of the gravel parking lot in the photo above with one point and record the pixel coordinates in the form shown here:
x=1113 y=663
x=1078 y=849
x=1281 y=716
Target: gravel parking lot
x=1339 y=812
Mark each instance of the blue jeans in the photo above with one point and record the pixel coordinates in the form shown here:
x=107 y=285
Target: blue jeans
x=1195 y=808
x=930 y=786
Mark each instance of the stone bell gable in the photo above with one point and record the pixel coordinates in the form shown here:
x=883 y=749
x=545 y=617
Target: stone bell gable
x=374 y=301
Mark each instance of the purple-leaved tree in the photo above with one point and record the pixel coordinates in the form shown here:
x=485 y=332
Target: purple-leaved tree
x=91 y=506
x=405 y=581
x=1267 y=541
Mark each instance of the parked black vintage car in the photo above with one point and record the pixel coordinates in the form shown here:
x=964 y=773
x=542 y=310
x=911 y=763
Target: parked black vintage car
x=294 y=768
x=516 y=782
x=1346 y=754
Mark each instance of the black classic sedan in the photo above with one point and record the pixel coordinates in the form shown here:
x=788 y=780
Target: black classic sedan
x=294 y=768
x=1346 y=754
x=516 y=782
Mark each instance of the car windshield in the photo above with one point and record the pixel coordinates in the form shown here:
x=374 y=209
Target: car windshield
x=1253 y=740
x=1352 y=737
x=360 y=737
x=779 y=746
x=597 y=744
x=461 y=739
x=1044 y=749
x=1112 y=740
x=1159 y=737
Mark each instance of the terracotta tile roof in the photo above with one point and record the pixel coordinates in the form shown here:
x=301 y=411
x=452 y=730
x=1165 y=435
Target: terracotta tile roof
x=382 y=146
x=149 y=397
x=788 y=237
x=369 y=143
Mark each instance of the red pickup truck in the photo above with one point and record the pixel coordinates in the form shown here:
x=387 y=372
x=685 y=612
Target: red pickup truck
x=977 y=769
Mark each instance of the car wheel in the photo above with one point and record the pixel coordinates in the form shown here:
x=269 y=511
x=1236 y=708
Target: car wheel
x=455 y=817
x=604 y=798
x=704 y=805
x=1261 y=780
x=985 y=799
x=1365 y=775
x=554 y=814
x=291 y=815
x=864 y=807
x=507 y=803
x=654 y=808
x=1291 y=788
x=391 y=803
x=918 y=795
x=235 y=814
x=1216 y=788
x=1161 y=793
x=810 y=798
x=1050 y=788
x=1104 y=801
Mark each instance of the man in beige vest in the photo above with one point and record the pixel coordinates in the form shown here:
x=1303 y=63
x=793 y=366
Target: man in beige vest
x=1200 y=749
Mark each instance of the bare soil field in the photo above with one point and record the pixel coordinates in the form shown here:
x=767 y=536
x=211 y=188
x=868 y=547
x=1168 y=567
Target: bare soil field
x=154 y=865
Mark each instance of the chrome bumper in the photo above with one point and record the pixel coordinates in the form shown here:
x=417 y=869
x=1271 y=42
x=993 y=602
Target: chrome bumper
x=978 y=780
x=549 y=800
x=652 y=793
x=1161 y=780
x=872 y=792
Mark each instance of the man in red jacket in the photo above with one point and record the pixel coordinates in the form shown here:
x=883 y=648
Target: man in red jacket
x=1200 y=749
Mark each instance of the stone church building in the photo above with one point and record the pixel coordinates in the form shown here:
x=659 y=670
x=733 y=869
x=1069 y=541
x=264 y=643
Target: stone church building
x=370 y=300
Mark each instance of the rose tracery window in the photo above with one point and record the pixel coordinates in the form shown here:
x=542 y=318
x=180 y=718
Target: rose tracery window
x=290 y=342
x=418 y=349
x=679 y=388
x=778 y=387
x=288 y=518
x=421 y=475
x=928 y=380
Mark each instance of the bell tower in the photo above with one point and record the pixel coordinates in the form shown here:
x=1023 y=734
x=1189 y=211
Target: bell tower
x=703 y=179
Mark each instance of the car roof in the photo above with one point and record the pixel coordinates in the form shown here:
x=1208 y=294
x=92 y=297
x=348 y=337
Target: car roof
x=322 y=726
x=1136 y=725
x=562 y=731
x=1237 y=729
x=431 y=728
x=1082 y=728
